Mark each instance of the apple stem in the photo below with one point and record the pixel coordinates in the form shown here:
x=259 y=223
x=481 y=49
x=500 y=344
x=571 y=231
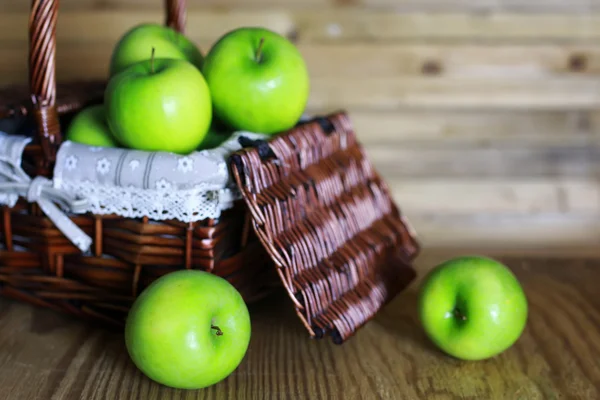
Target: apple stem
x=460 y=315
x=259 y=49
x=219 y=331
x=152 y=61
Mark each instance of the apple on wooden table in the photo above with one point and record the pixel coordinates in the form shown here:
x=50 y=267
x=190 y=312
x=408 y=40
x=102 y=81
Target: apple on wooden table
x=189 y=329
x=258 y=80
x=472 y=307
x=137 y=43
x=89 y=127
x=160 y=104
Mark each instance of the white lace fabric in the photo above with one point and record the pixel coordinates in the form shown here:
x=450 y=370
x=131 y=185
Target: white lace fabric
x=188 y=205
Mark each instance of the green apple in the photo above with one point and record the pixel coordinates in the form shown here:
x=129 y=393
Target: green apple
x=159 y=105
x=189 y=329
x=217 y=134
x=472 y=307
x=89 y=127
x=258 y=80
x=136 y=44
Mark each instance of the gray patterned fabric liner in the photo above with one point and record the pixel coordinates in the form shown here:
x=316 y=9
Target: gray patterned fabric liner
x=129 y=183
x=157 y=185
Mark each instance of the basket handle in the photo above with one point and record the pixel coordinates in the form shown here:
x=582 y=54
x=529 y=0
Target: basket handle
x=42 y=68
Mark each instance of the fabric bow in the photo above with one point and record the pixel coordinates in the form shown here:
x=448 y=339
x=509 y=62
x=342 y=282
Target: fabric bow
x=15 y=183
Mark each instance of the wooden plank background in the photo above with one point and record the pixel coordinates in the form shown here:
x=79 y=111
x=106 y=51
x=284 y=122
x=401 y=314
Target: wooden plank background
x=484 y=115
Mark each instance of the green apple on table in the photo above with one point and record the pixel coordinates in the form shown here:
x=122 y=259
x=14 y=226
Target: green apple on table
x=258 y=80
x=188 y=329
x=159 y=105
x=137 y=43
x=472 y=307
x=89 y=127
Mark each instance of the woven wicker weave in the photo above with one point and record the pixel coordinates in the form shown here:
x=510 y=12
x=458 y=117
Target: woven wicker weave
x=324 y=223
x=341 y=246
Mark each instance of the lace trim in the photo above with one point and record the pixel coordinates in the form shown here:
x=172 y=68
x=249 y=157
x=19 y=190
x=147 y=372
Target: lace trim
x=189 y=205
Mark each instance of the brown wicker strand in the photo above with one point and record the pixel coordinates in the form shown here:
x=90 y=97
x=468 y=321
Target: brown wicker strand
x=42 y=77
x=176 y=14
x=60 y=265
x=42 y=35
x=136 y=279
x=7 y=228
x=97 y=236
x=188 y=246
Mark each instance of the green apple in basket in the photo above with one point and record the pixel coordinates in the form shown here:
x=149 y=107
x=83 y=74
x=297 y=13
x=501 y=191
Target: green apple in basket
x=472 y=308
x=189 y=329
x=89 y=127
x=137 y=43
x=217 y=134
x=258 y=80
x=161 y=104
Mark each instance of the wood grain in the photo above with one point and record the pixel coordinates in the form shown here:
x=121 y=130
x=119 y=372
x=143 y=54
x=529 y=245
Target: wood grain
x=316 y=25
x=44 y=355
x=357 y=25
x=508 y=231
x=572 y=6
x=493 y=160
x=423 y=127
x=452 y=60
x=561 y=93
x=526 y=197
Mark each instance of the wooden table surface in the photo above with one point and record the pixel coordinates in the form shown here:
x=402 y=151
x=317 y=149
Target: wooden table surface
x=45 y=355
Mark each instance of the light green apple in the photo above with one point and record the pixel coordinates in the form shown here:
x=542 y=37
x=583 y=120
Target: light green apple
x=189 y=329
x=472 y=307
x=159 y=105
x=137 y=43
x=258 y=80
x=89 y=127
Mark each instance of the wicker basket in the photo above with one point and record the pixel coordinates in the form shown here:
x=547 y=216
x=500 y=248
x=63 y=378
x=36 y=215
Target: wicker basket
x=314 y=218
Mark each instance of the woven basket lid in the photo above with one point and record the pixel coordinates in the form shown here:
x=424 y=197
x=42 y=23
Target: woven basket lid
x=339 y=243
